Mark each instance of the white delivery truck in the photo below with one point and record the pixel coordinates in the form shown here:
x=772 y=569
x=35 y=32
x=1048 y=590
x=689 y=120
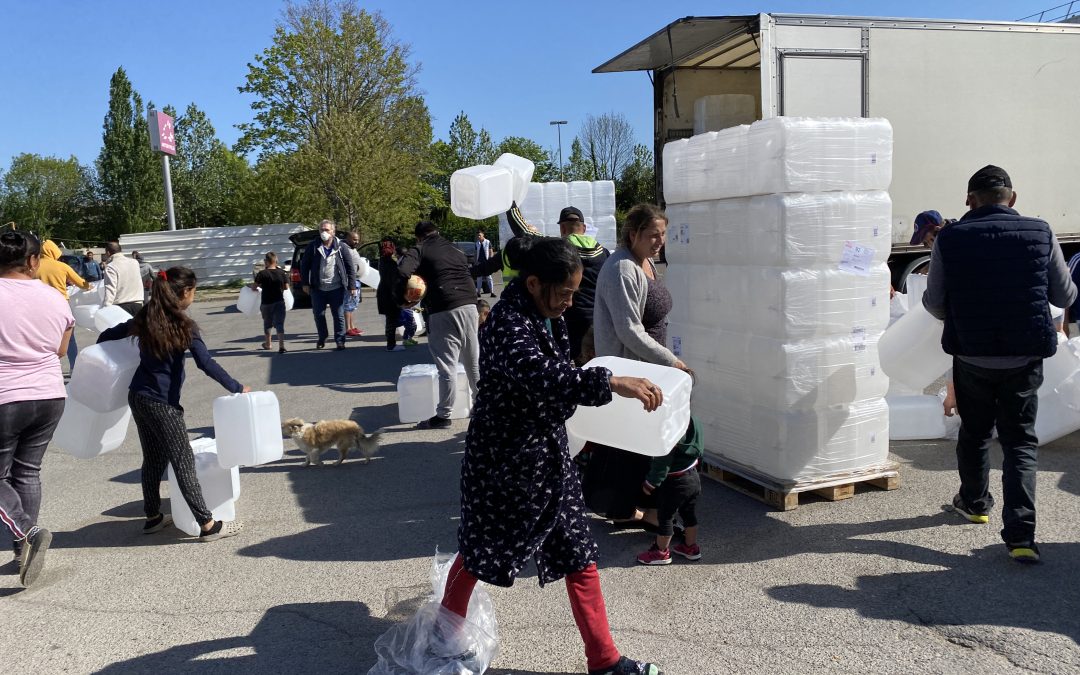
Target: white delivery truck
x=959 y=95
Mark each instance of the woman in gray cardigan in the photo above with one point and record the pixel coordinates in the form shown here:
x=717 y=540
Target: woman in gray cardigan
x=629 y=321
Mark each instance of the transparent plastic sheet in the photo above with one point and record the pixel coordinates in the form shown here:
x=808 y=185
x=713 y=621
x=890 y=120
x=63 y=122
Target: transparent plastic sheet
x=782 y=230
x=780 y=154
x=778 y=302
x=436 y=641
x=737 y=368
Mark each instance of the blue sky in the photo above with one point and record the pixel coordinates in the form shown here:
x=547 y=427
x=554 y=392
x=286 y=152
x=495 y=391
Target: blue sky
x=512 y=66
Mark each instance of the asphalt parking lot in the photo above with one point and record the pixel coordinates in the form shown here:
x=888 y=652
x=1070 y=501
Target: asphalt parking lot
x=886 y=582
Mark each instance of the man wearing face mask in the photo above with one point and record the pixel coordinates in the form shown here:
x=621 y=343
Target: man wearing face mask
x=327 y=273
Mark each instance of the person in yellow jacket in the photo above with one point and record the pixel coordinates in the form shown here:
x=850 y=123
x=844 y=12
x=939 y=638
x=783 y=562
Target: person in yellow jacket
x=59 y=275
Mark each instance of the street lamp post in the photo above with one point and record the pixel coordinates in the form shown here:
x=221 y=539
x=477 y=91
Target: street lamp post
x=558 y=124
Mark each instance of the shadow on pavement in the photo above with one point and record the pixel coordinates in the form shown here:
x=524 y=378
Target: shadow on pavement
x=329 y=637
x=984 y=589
x=735 y=529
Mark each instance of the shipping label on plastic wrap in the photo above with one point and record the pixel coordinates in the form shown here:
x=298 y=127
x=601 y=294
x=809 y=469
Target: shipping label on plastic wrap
x=858 y=339
x=856 y=259
x=680 y=234
x=676 y=345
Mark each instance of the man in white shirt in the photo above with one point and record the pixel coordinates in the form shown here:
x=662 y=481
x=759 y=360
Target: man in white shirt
x=123 y=280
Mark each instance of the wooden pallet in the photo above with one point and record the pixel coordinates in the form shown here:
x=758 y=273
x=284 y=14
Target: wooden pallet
x=784 y=496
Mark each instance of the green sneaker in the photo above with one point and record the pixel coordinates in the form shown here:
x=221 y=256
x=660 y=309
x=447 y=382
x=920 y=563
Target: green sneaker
x=410 y=342
x=966 y=511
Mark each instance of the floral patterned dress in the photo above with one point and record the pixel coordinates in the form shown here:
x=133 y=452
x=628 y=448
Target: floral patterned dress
x=520 y=491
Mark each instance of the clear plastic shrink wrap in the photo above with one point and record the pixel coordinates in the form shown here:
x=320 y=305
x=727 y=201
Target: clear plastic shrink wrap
x=780 y=154
x=778 y=236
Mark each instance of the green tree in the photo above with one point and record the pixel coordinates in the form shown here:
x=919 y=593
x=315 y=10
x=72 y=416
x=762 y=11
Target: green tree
x=637 y=183
x=465 y=147
x=578 y=167
x=129 y=178
x=336 y=92
x=207 y=176
x=547 y=168
x=45 y=194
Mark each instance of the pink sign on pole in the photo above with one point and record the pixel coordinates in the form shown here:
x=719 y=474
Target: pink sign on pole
x=162 y=136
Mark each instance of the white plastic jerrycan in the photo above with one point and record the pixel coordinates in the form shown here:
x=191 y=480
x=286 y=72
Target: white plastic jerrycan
x=84 y=316
x=910 y=350
x=417 y=388
x=107 y=317
x=481 y=191
x=463 y=398
x=522 y=170
x=249 y=300
x=914 y=418
x=103 y=373
x=623 y=423
x=287 y=296
x=248 y=429
x=220 y=488
x=85 y=433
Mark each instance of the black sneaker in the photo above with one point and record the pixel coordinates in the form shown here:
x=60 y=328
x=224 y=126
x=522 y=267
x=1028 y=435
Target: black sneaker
x=1024 y=553
x=33 y=558
x=437 y=422
x=320 y=344
x=966 y=511
x=157 y=523
x=625 y=666
x=340 y=347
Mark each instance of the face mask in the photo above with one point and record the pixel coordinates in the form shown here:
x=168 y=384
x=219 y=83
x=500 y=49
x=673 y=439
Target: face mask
x=325 y=236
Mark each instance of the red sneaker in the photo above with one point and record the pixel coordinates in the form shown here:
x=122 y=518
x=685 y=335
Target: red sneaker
x=655 y=556
x=688 y=552
x=354 y=332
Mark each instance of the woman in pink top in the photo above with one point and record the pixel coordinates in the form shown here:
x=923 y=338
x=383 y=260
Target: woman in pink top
x=33 y=336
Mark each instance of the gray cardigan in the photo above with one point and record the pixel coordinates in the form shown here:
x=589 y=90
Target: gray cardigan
x=621 y=289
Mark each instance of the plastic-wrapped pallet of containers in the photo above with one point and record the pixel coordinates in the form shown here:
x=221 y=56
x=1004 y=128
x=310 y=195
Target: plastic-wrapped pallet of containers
x=778 y=236
x=220 y=488
x=544 y=201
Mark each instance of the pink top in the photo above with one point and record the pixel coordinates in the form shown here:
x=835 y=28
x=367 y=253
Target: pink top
x=34 y=319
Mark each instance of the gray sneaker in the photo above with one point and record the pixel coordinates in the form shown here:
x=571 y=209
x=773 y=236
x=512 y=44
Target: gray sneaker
x=221 y=530
x=33 y=558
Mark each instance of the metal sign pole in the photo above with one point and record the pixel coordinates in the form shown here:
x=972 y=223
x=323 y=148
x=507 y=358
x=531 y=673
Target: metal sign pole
x=168 y=191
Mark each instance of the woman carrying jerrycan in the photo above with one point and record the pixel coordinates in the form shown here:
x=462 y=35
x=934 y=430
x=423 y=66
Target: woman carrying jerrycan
x=34 y=332
x=520 y=492
x=165 y=333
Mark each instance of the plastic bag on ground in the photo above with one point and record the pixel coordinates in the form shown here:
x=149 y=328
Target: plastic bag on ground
x=436 y=641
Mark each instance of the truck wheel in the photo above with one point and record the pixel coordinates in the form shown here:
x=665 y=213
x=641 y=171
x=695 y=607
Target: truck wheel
x=912 y=266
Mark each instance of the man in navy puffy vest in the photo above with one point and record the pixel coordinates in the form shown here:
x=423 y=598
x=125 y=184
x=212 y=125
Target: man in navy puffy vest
x=998 y=329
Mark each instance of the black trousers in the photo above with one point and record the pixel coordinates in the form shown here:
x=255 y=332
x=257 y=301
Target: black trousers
x=985 y=398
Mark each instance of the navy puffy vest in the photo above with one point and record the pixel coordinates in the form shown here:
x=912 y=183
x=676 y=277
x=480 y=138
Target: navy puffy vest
x=995 y=264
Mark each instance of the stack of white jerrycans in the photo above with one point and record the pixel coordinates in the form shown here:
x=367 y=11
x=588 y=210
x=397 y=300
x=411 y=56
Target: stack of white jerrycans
x=911 y=354
x=543 y=201
x=418 y=393
x=778 y=237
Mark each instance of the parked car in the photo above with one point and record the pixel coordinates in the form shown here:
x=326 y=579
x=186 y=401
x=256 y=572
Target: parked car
x=301 y=240
x=469 y=249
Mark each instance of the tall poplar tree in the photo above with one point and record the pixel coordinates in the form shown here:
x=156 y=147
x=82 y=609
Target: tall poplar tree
x=129 y=178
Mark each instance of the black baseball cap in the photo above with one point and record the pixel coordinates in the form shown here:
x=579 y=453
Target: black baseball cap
x=571 y=213
x=988 y=178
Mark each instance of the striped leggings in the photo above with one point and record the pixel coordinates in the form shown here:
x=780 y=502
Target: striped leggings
x=164 y=439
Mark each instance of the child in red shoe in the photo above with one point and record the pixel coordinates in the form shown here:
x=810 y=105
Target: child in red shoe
x=674 y=485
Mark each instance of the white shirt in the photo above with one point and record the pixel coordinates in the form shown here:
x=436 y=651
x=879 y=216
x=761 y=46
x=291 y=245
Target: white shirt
x=123 y=280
